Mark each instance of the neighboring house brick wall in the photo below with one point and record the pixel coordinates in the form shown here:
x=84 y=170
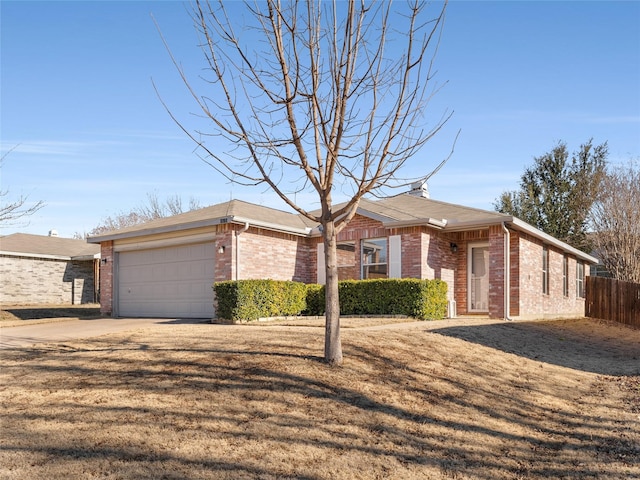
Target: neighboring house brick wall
x=26 y=280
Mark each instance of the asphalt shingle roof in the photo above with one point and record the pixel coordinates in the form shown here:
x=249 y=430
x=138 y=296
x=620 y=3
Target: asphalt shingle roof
x=44 y=245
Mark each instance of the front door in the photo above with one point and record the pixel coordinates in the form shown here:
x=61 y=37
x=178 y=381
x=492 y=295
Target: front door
x=478 y=268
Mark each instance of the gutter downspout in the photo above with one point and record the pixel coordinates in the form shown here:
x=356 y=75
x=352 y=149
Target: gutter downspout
x=507 y=272
x=244 y=229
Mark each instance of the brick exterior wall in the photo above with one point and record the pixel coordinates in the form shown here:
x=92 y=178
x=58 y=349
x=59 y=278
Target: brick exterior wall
x=25 y=280
x=496 y=272
x=106 y=278
x=278 y=256
x=533 y=303
x=426 y=253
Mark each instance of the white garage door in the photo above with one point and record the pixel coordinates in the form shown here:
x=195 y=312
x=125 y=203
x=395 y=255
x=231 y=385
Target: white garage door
x=167 y=282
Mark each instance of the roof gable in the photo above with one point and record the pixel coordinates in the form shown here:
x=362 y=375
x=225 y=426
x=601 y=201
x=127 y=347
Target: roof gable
x=406 y=208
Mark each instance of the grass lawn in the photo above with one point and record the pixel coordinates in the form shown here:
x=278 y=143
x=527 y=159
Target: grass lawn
x=530 y=400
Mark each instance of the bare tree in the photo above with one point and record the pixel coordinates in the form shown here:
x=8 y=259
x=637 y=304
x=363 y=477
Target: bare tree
x=13 y=211
x=317 y=96
x=615 y=220
x=150 y=210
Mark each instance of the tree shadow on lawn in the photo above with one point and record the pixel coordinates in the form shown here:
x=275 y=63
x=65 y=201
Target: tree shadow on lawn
x=39 y=313
x=577 y=344
x=406 y=434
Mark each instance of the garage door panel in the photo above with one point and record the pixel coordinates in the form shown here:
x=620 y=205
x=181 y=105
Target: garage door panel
x=167 y=282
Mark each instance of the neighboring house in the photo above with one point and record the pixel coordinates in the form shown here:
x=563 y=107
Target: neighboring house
x=36 y=269
x=494 y=264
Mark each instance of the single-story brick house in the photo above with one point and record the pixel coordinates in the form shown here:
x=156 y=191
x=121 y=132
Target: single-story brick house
x=494 y=264
x=39 y=269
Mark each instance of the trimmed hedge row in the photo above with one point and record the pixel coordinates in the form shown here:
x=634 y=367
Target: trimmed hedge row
x=254 y=299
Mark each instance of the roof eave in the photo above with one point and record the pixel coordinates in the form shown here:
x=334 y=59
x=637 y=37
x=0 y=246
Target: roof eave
x=35 y=255
x=271 y=226
x=417 y=222
x=199 y=224
x=546 y=238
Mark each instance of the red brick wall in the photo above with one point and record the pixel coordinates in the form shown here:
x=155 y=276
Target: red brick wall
x=278 y=256
x=106 y=278
x=496 y=272
x=426 y=254
x=225 y=254
x=532 y=302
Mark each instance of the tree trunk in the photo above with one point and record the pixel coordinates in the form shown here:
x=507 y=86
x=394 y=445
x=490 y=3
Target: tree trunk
x=332 y=343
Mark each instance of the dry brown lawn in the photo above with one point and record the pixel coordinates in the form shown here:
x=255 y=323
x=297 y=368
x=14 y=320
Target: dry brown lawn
x=14 y=315
x=453 y=399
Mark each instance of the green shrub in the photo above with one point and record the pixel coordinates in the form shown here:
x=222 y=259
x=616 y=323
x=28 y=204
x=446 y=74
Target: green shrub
x=423 y=299
x=254 y=299
x=315 y=300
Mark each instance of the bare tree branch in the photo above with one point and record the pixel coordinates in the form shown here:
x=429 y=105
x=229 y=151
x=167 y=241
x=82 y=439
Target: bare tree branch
x=615 y=220
x=14 y=211
x=310 y=95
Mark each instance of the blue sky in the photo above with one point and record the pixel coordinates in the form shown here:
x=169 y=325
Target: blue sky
x=93 y=139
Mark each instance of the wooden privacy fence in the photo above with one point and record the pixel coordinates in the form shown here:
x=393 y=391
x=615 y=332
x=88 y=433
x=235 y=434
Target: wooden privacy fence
x=612 y=299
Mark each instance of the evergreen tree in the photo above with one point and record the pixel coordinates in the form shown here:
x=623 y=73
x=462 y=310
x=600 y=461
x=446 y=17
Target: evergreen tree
x=556 y=193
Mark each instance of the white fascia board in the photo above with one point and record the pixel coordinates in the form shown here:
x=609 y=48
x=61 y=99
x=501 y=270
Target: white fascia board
x=546 y=238
x=36 y=255
x=271 y=226
x=158 y=230
x=202 y=223
x=454 y=226
x=429 y=222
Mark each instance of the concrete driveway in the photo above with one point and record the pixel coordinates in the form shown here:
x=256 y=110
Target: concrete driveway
x=62 y=331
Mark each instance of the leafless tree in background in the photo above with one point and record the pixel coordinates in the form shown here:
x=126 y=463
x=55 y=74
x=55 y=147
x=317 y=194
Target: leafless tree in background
x=317 y=96
x=14 y=211
x=616 y=222
x=150 y=210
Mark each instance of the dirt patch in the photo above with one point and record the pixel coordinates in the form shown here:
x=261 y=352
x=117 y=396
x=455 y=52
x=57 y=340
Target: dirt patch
x=454 y=399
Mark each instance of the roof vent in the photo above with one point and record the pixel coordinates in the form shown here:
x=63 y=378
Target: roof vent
x=419 y=189
x=53 y=233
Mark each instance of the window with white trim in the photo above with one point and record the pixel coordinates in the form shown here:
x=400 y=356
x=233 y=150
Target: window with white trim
x=346 y=257
x=565 y=275
x=374 y=258
x=580 y=279
x=545 y=269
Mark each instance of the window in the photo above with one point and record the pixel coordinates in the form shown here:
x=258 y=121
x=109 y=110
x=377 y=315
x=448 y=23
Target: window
x=565 y=276
x=346 y=252
x=545 y=269
x=374 y=258
x=580 y=280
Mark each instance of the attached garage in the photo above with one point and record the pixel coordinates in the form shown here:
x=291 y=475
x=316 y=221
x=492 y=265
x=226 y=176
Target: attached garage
x=168 y=282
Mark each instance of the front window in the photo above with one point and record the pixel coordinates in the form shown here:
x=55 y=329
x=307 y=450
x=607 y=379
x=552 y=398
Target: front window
x=374 y=258
x=580 y=280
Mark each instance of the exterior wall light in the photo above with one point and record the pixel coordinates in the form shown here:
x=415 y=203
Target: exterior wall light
x=453 y=247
